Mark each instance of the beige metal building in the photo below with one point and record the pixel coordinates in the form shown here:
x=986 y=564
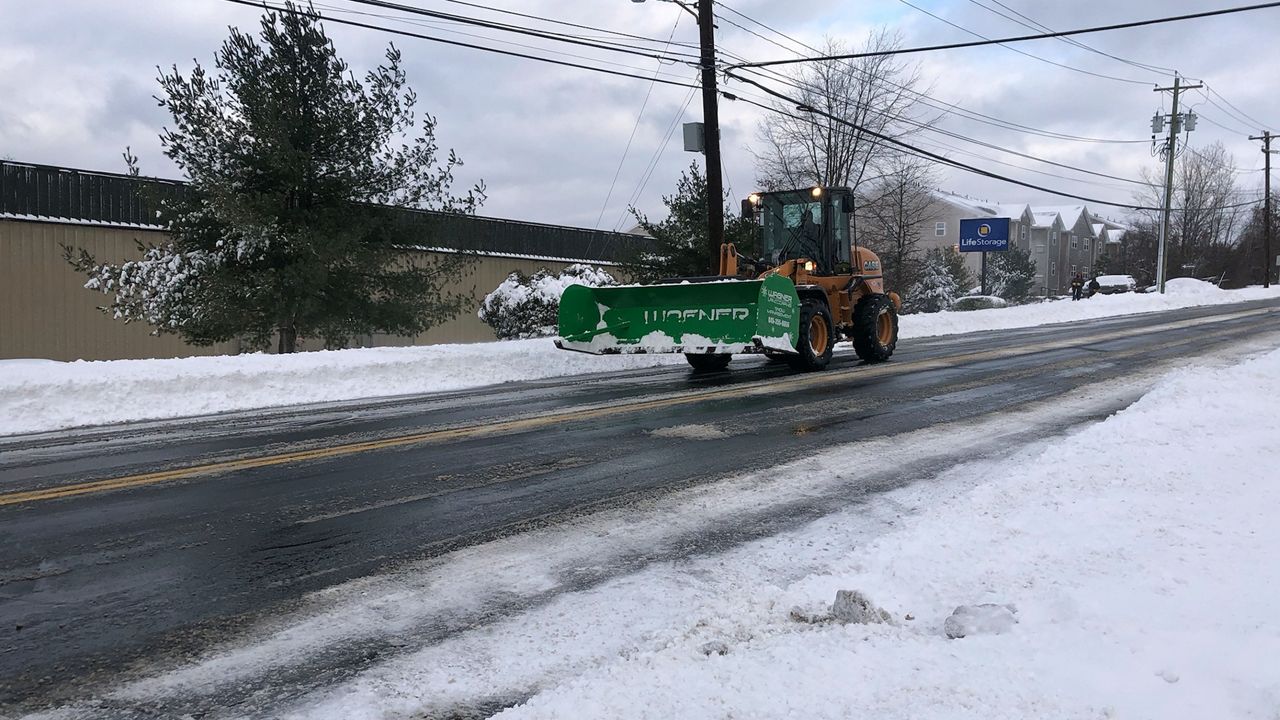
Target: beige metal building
x=45 y=311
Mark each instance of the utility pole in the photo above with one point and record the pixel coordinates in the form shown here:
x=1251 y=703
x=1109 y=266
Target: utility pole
x=1175 y=127
x=711 y=130
x=1267 y=261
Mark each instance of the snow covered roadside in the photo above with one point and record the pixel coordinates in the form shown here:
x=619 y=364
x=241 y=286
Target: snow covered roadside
x=1138 y=552
x=40 y=396
x=36 y=396
x=1180 y=293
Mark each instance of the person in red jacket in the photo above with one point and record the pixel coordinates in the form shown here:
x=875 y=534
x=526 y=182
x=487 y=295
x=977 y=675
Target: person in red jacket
x=1077 y=285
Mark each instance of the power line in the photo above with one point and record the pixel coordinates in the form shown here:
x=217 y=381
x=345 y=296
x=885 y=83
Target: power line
x=456 y=43
x=634 y=128
x=558 y=37
x=439 y=26
x=566 y=23
x=1033 y=24
x=941 y=158
x=657 y=156
x=928 y=100
x=1104 y=76
x=1211 y=121
x=992 y=146
x=1228 y=102
x=1235 y=113
x=1022 y=38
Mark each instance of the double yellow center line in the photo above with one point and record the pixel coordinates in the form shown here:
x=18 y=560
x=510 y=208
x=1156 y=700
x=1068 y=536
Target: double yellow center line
x=772 y=386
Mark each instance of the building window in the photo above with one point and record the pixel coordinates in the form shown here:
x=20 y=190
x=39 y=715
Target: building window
x=1053 y=239
x=1053 y=267
x=1075 y=243
x=1073 y=271
x=1086 y=244
x=1022 y=233
x=940 y=229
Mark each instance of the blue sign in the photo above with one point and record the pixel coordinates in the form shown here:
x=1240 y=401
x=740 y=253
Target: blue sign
x=984 y=235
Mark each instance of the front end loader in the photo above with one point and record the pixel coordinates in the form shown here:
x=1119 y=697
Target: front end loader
x=811 y=287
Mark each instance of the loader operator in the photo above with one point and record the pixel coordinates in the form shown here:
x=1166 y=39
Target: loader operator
x=810 y=235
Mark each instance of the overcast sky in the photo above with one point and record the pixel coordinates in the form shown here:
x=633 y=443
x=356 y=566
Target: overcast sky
x=77 y=76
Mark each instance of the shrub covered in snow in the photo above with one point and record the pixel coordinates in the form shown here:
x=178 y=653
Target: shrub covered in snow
x=937 y=289
x=979 y=302
x=525 y=306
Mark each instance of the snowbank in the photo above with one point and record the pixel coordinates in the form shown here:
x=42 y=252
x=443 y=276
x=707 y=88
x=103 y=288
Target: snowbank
x=1138 y=555
x=36 y=397
x=1179 y=293
x=46 y=396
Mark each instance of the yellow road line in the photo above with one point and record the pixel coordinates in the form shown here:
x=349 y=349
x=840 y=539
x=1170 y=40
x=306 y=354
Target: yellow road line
x=764 y=387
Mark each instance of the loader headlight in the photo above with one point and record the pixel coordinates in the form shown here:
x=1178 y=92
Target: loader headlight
x=816 y=192
x=809 y=266
x=754 y=199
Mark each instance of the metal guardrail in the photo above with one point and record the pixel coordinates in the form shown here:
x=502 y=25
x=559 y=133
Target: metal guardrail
x=58 y=193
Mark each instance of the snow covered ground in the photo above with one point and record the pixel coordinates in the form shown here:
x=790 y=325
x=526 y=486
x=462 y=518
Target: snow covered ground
x=1139 y=554
x=37 y=396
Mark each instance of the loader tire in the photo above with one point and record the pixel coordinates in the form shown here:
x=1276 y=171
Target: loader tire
x=817 y=337
x=875 y=328
x=702 y=363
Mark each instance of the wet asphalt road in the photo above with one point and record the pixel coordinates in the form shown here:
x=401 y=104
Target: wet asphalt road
x=97 y=585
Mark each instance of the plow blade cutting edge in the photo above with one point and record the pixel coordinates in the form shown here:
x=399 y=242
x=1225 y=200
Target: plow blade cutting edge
x=720 y=317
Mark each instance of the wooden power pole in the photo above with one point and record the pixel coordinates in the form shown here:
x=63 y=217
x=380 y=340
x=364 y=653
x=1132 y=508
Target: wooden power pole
x=1268 y=262
x=711 y=130
x=1175 y=127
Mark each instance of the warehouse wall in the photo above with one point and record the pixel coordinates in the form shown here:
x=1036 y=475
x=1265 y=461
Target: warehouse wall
x=45 y=312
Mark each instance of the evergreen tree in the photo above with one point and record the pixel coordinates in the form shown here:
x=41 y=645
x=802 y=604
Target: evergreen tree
x=294 y=222
x=958 y=270
x=936 y=289
x=681 y=246
x=1011 y=274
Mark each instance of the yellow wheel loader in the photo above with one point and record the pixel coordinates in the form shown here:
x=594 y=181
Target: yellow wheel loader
x=811 y=288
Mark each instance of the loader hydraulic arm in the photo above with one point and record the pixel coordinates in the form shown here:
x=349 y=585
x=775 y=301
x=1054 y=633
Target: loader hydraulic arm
x=728 y=260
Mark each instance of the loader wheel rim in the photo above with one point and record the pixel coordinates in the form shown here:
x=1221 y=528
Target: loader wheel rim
x=818 y=335
x=884 y=328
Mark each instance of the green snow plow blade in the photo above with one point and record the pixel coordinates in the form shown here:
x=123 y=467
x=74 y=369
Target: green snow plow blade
x=718 y=317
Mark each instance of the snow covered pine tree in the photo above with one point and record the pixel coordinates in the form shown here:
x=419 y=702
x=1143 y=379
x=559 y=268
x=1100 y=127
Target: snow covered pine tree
x=936 y=290
x=295 y=220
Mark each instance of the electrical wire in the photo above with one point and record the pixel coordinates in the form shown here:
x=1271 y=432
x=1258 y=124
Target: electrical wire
x=558 y=37
x=930 y=128
x=1104 y=76
x=1238 y=110
x=925 y=99
x=1033 y=24
x=441 y=27
x=1024 y=38
x=634 y=128
x=566 y=23
x=920 y=152
x=657 y=156
x=456 y=43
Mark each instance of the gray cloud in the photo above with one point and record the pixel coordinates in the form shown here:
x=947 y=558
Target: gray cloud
x=76 y=78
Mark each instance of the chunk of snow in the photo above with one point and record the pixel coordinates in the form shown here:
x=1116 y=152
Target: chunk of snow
x=983 y=619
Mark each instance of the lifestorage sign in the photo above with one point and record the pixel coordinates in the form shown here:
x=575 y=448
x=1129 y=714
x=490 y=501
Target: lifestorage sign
x=984 y=235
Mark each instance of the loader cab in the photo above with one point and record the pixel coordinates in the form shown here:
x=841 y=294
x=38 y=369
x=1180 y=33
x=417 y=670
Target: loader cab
x=811 y=223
